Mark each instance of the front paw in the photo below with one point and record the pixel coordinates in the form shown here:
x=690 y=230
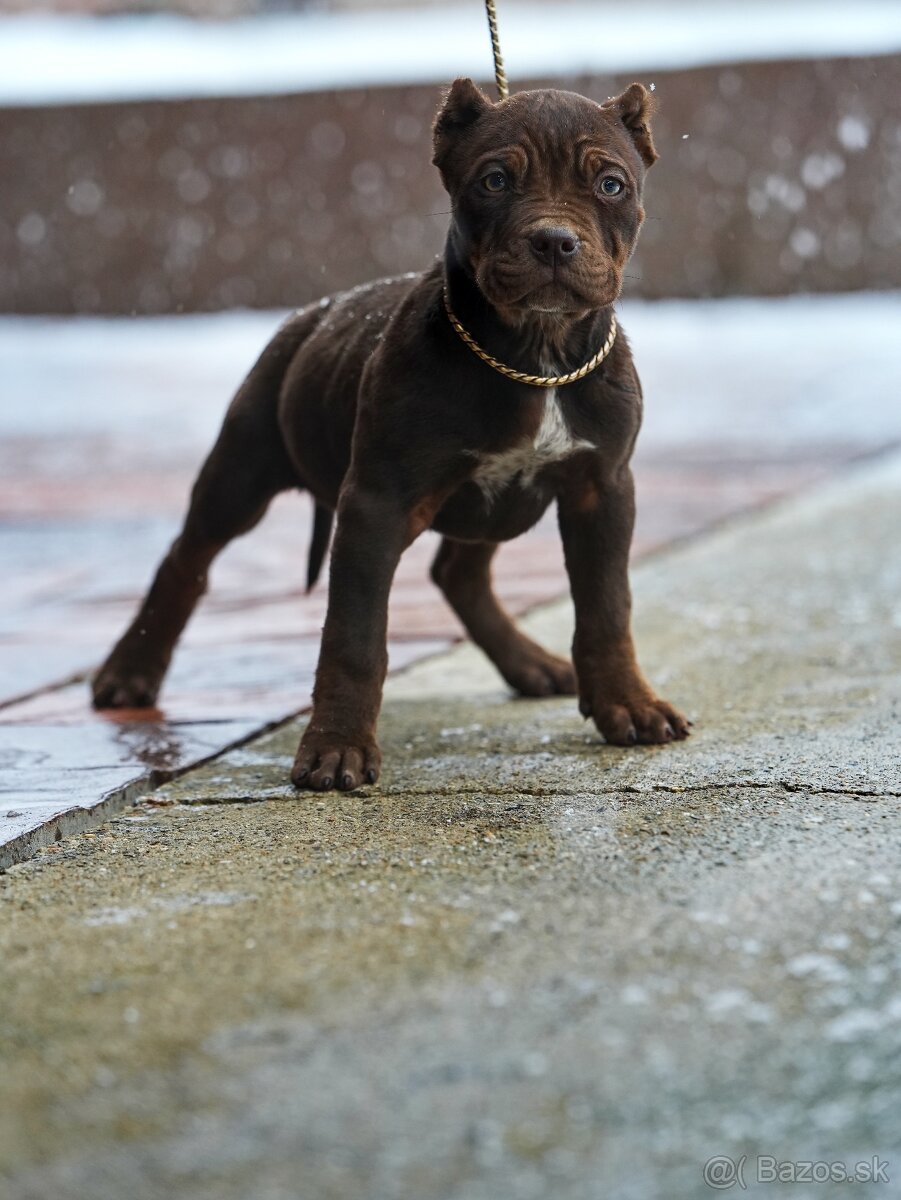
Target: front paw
x=327 y=759
x=636 y=718
x=120 y=685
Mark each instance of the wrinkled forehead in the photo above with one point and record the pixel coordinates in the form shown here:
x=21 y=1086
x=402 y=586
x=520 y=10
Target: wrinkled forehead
x=553 y=131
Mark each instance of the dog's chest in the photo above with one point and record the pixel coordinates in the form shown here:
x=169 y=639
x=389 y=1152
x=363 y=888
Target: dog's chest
x=552 y=441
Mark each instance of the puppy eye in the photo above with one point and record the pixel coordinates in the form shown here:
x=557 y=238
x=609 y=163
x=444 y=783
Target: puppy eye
x=611 y=185
x=496 y=181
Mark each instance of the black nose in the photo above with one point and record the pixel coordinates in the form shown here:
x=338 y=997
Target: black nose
x=554 y=244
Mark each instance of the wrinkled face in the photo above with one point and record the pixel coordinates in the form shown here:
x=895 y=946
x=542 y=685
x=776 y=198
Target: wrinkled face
x=546 y=188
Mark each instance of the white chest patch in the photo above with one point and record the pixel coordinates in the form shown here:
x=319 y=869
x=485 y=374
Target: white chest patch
x=552 y=442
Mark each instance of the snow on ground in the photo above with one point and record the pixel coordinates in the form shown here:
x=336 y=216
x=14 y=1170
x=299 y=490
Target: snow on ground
x=828 y=364
x=46 y=59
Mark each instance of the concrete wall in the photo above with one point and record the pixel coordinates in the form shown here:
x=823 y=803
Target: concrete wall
x=789 y=179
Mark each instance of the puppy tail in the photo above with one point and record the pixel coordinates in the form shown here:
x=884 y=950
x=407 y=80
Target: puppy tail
x=322 y=534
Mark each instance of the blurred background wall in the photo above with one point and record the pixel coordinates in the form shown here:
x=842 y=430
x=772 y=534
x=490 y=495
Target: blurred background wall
x=774 y=177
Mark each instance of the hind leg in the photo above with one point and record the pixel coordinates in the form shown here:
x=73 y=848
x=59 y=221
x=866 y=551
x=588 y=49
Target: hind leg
x=246 y=468
x=463 y=572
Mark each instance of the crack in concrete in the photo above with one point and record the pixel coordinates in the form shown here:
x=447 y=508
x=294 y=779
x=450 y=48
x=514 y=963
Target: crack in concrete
x=769 y=786
x=511 y=790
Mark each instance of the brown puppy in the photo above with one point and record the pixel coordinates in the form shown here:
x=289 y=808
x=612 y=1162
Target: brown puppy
x=372 y=401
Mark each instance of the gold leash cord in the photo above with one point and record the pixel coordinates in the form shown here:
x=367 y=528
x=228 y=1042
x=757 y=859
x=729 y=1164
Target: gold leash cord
x=500 y=75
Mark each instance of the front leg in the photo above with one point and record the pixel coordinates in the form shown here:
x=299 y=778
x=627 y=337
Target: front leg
x=597 y=516
x=338 y=748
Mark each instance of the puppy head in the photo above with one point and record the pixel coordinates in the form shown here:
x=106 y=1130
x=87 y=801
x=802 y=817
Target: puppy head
x=546 y=190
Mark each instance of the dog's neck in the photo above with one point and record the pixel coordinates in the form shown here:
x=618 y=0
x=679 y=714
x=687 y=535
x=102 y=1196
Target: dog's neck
x=525 y=339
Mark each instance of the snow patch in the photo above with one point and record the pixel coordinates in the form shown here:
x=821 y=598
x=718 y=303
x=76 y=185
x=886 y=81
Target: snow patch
x=57 y=59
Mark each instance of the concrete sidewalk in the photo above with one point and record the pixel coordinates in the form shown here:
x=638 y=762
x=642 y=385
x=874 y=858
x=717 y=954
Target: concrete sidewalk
x=526 y=965
x=107 y=422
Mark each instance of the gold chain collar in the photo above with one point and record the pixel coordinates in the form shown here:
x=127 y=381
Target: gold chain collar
x=545 y=381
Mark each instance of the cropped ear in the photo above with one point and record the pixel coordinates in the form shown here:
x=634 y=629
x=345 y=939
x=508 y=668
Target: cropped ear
x=634 y=107
x=462 y=107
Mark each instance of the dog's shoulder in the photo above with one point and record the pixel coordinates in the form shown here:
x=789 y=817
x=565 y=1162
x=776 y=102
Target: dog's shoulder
x=364 y=309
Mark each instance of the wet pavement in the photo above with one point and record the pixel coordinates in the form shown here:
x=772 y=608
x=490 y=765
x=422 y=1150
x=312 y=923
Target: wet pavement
x=526 y=965
x=105 y=422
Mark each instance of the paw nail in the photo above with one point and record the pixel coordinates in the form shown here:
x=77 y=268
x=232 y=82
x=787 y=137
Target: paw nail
x=347 y=782
x=370 y=776
x=326 y=783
